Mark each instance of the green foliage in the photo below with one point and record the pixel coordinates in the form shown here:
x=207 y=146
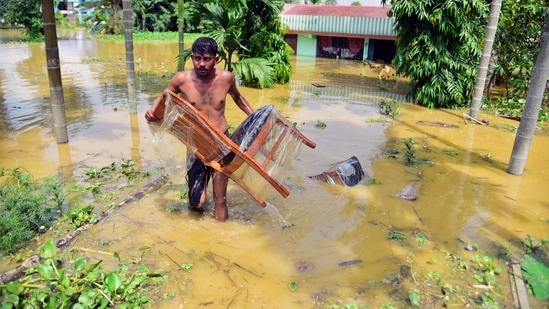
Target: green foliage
x=84 y=285
x=517 y=43
x=81 y=216
x=255 y=71
x=488 y=270
x=320 y=125
x=222 y=20
x=26 y=13
x=396 y=235
x=153 y=36
x=155 y=15
x=536 y=273
x=250 y=30
x=438 y=48
x=263 y=38
x=389 y=108
x=27 y=207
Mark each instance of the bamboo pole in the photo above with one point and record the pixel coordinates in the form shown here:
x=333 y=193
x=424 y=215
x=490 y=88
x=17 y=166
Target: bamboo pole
x=130 y=63
x=54 y=73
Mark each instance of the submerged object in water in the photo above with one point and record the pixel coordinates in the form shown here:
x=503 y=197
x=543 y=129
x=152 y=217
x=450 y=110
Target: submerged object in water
x=410 y=192
x=348 y=173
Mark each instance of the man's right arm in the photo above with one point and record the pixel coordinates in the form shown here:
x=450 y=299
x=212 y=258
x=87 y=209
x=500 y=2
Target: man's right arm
x=159 y=102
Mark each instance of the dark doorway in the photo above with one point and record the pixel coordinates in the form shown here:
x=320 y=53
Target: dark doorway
x=382 y=51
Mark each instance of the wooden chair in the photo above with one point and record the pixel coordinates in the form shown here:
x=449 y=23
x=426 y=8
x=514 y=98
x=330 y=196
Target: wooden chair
x=255 y=156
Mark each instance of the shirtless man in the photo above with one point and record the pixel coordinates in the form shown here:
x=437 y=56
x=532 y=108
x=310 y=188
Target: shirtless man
x=206 y=88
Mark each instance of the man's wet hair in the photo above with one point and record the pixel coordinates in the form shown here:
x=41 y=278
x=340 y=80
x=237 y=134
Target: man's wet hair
x=205 y=45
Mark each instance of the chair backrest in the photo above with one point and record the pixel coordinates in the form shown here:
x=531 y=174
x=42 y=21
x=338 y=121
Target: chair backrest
x=257 y=154
x=192 y=128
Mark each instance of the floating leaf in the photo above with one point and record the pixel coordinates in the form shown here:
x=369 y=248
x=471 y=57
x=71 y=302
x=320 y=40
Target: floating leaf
x=414 y=298
x=113 y=282
x=80 y=264
x=46 y=271
x=14 y=287
x=537 y=275
x=48 y=249
x=292 y=286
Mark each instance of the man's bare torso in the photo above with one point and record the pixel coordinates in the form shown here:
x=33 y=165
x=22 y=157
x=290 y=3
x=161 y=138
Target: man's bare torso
x=208 y=95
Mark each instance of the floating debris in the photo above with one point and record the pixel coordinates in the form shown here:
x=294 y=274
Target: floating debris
x=410 y=192
x=437 y=124
x=351 y=262
x=348 y=173
x=304 y=266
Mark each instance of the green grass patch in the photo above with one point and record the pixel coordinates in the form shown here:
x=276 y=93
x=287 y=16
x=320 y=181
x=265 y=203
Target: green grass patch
x=27 y=207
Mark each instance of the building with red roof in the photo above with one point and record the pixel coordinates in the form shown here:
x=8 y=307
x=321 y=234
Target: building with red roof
x=340 y=31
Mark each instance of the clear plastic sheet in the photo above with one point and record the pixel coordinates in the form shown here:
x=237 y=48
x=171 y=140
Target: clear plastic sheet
x=171 y=153
x=348 y=173
x=265 y=137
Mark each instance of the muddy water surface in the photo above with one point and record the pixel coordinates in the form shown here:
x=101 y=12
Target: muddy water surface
x=465 y=195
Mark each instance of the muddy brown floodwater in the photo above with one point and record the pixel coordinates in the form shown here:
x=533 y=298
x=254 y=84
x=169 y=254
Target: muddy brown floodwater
x=338 y=250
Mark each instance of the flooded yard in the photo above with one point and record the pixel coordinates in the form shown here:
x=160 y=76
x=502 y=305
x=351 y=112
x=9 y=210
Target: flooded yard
x=360 y=244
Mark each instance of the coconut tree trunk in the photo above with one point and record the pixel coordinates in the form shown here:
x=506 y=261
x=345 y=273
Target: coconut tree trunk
x=54 y=73
x=495 y=9
x=181 y=27
x=528 y=121
x=130 y=65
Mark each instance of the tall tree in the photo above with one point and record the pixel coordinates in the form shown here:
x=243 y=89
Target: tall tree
x=495 y=9
x=525 y=132
x=224 y=21
x=130 y=63
x=54 y=73
x=438 y=47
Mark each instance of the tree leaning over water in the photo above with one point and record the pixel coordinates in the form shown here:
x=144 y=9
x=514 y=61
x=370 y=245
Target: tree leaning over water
x=438 y=48
x=528 y=121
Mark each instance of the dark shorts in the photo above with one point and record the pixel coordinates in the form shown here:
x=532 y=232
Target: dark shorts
x=198 y=176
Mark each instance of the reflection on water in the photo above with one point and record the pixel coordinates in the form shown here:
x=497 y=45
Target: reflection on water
x=466 y=197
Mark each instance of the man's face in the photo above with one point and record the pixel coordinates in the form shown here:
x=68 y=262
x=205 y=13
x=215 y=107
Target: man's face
x=203 y=63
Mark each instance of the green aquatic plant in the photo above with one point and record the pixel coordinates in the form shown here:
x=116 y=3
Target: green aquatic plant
x=56 y=283
x=536 y=273
x=320 y=125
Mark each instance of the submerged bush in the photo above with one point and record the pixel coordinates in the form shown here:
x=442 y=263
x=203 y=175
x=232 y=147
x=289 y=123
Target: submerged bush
x=27 y=207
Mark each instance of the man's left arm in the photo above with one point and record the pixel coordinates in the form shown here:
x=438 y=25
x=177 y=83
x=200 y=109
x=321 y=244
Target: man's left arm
x=239 y=99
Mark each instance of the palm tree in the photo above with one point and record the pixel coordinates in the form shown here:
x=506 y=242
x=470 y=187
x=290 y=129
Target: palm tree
x=223 y=20
x=528 y=121
x=491 y=28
